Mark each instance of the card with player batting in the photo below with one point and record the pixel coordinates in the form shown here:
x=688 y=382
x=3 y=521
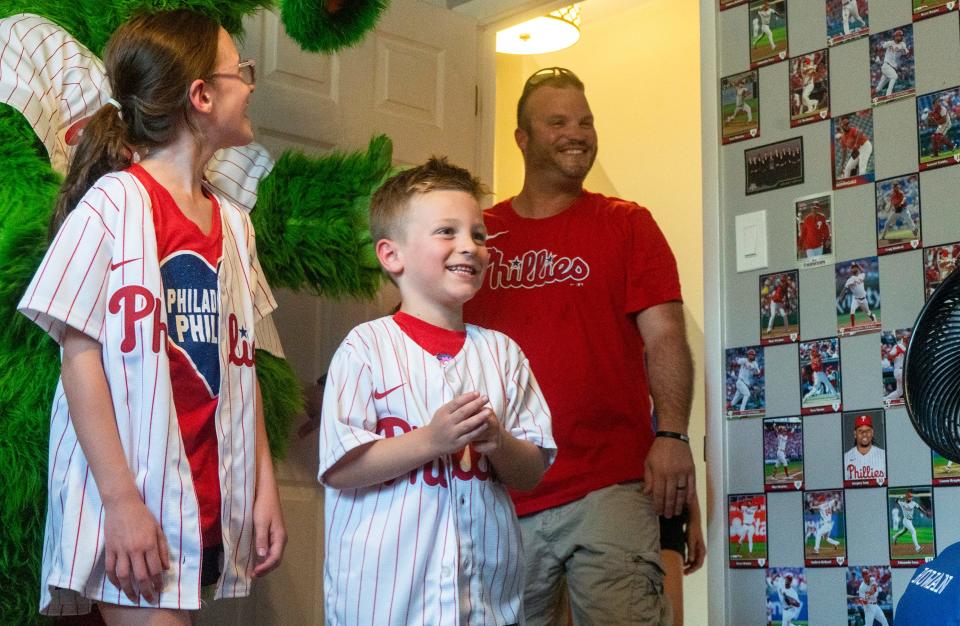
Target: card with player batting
x=892 y=74
x=910 y=513
x=847 y=20
x=898 y=214
x=782 y=454
x=858 y=296
x=810 y=88
x=922 y=9
x=747 y=530
x=779 y=308
x=938 y=263
x=938 y=133
x=820 y=380
x=869 y=594
x=851 y=150
x=787 y=596
x=745 y=384
x=946 y=473
x=893 y=352
x=767 y=20
x=864 y=449
x=814 y=229
x=824 y=528
x=740 y=107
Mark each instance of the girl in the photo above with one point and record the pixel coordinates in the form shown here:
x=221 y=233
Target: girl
x=160 y=479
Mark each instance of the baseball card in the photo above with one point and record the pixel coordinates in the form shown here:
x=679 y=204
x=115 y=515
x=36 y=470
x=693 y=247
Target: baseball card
x=729 y=4
x=893 y=351
x=810 y=88
x=891 y=65
x=852 y=149
x=747 y=524
x=774 y=165
x=824 y=528
x=910 y=512
x=740 y=107
x=814 y=229
x=746 y=393
x=869 y=595
x=946 y=473
x=922 y=9
x=782 y=454
x=938 y=136
x=847 y=20
x=938 y=263
x=898 y=214
x=864 y=449
x=858 y=296
x=767 y=20
x=779 y=308
x=786 y=597
x=820 y=384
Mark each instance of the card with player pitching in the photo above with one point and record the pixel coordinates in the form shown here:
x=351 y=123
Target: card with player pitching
x=922 y=9
x=864 y=449
x=786 y=596
x=824 y=528
x=898 y=214
x=946 y=473
x=892 y=73
x=747 y=530
x=847 y=20
x=938 y=263
x=782 y=454
x=779 y=308
x=745 y=384
x=740 y=107
x=814 y=229
x=773 y=166
x=858 y=296
x=869 y=594
x=767 y=21
x=852 y=149
x=938 y=133
x=893 y=351
x=820 y=383
x=912 y=537
x=810 y=88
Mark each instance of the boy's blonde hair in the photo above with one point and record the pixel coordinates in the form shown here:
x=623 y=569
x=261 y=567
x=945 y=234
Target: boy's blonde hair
x=390 y=203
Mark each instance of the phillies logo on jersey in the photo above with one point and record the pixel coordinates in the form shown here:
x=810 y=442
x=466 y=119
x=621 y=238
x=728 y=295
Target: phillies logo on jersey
x=468 y=464
x=241 y=348
x=864 y=472
x=534 y=268
x=135 y=303
x=193 y=313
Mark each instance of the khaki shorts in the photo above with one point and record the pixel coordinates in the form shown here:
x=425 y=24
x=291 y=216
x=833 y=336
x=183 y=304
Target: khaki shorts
x=603 y=552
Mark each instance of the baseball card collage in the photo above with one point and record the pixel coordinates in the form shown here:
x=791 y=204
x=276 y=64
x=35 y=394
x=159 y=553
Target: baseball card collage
x=829 y=426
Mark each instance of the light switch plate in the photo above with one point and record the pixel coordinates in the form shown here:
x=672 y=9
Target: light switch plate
x=751 y=241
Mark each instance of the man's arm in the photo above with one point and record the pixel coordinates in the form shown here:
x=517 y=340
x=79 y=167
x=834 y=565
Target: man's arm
x=669 y=462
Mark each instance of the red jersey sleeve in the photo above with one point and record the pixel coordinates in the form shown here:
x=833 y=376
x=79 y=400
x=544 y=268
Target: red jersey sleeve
x=652 y=276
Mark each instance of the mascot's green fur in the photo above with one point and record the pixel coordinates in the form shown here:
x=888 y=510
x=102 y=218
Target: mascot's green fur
x=310 y=218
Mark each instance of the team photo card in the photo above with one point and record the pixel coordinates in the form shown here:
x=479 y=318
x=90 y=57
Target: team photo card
x=847 y=20
x=922 y=9
x=938 y=137
x=787 y=597
x=810 y=88
x=768 y=32
x=852 y=149
x=945 y=472
x=864 y=445
x=869 y=595
x=747 y=523
x=892 y=74
x=912 y=539
x=774 y=165
x=898 y=214
x=893 y=350
x=824 y=528
x=779 y=308
x=814 y=229
x=740 y=107
x=746 y=393
x=782 y=454
x=820 y=385
x=729 y=4
x=858 y=296
x=938 y=263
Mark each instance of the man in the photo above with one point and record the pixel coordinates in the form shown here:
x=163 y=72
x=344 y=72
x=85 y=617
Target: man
x=898 y=212
x=588 y=287
x=867 y=596
x=892 y=53
x=896 y=355
x=865 y=461
x=783 y=438
x=765 y=14
x=748 y=526
x=858 y=295
x=814 y=232
x=855 y=149
x=821 y=383
x=825 y=524
x=940 y=118
x=908 y=506
x=778 y=305
x=851 y=11
x=748 y=369
x=742 y=93
x=789 y=600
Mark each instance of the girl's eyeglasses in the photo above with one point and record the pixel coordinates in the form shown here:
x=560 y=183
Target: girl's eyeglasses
x=246 y=72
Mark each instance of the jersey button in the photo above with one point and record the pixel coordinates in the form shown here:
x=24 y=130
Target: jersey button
x=463 y=501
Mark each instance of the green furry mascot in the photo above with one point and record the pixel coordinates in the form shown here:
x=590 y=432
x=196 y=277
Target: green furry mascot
x=309 y=213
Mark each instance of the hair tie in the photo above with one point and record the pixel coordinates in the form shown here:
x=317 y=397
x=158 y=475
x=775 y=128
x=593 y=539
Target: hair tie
x=114 y=104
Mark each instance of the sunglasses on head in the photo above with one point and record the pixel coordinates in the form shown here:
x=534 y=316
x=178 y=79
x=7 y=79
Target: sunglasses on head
x=546 y=74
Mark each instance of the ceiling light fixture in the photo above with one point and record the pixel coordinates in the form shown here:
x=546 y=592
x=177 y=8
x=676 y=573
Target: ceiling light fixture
x=549 y=33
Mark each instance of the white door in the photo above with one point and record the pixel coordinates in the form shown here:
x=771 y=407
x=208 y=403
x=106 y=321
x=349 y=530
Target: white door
x=414 y=78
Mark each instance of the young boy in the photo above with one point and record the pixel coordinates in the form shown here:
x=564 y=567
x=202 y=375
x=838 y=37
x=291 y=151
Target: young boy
x=426 y=422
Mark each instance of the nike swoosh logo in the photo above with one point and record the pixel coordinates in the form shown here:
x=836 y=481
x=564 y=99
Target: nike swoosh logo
x=377 y=395
x=114 y=266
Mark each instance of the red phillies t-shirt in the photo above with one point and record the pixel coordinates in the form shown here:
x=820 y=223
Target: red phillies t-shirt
x=189 y=266
x=566 y=289
x=813 y=231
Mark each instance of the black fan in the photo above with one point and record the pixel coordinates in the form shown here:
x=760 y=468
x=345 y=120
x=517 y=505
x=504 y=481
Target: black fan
x=932 y=370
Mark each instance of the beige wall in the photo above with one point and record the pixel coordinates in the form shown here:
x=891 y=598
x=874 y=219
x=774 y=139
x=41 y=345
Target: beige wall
x=641 y=68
